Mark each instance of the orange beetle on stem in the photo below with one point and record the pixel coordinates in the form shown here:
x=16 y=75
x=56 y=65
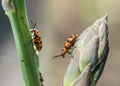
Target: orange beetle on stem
x=36 y=38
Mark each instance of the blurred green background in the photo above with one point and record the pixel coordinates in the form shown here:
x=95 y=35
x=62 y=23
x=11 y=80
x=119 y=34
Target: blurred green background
x=56 y=20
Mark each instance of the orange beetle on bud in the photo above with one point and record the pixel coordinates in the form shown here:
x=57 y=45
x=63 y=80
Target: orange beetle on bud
x=68 y=45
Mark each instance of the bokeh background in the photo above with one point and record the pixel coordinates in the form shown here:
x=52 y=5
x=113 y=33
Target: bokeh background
x=56 y=20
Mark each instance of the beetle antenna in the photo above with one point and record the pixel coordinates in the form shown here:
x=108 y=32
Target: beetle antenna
x=31 y=23
x=34 y=25
x=57 y=56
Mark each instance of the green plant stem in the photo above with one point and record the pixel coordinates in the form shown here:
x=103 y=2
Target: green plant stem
x=16 y=12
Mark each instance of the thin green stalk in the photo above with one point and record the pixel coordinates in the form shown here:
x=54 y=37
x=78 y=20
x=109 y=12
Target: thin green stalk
x=16 y=12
